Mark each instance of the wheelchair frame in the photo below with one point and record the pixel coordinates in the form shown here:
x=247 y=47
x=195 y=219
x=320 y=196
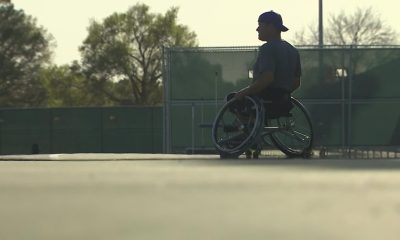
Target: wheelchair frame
x=254 y=131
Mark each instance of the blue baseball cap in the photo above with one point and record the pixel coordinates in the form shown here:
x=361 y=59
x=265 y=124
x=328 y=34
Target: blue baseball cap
x=274 y=18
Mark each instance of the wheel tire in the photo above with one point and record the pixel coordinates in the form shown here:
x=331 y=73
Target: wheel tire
x=306 y=152
x=251 y=136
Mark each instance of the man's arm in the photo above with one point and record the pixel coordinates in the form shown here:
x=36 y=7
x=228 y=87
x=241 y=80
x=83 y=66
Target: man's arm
x=296 y=84
x=265 y=79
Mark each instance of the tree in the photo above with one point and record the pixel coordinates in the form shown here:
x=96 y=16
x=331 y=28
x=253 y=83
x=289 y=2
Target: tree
x=363 y=27
x=122 y=56
x=66 y=87
x=24 y=49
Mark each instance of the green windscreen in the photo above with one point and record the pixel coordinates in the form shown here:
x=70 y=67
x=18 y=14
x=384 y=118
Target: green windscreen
x=352 y=92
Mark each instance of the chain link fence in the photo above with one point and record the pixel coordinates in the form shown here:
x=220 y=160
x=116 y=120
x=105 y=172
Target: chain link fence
x=352 y=93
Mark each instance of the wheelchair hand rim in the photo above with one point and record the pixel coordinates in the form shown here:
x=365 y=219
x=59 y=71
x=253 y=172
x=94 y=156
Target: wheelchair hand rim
x=252 y=136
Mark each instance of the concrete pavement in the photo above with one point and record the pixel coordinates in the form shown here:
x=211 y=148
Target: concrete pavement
x=205 y=198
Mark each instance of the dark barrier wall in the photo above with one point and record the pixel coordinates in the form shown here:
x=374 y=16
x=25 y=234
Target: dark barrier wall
x=81 y=130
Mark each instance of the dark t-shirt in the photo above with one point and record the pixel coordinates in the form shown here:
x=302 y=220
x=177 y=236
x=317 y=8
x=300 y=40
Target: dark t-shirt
x=281 y=58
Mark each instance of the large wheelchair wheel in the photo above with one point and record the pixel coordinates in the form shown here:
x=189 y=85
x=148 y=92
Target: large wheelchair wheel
x=293 y=133
x=237 y=126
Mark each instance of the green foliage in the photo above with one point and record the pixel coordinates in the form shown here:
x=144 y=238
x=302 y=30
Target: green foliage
x=122 y=56
x=24 y=49
x=66 y=87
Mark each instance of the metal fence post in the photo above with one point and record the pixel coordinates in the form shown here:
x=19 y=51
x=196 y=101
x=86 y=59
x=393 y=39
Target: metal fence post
x=167 y=108
x=350 y=95
x=216 y=91
x=193 y=127
x=102 y=129
x=343 y=112
x=1 y=132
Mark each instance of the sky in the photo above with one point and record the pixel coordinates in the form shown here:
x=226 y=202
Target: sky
x=216 y=22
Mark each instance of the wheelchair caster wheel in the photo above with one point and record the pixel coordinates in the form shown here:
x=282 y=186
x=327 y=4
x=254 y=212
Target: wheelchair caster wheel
x=256 y=154
x=307 y=154
x=248 y=154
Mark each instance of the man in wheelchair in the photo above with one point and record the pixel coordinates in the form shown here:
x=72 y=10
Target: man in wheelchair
x=277 y=71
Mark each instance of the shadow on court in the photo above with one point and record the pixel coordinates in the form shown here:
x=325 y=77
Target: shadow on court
x=214 y=160
x=340 y=164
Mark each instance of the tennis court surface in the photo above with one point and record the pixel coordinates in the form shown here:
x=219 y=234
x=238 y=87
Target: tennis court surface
x=136 y=196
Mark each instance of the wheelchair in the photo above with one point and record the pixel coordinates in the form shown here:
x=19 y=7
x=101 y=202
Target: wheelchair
x=246 y=126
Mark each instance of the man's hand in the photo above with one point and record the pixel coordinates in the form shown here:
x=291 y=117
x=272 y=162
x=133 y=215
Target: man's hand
x=241 y=94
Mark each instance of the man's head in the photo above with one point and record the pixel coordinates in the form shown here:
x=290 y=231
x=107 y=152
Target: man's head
x=270 y=26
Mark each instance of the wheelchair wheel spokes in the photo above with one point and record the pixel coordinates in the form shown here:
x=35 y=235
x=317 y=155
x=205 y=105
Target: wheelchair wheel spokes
x=231 y=142
x=295 y=134
x=299 y=133
x=301 y=136
x=236 y=126
x=293 y=142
